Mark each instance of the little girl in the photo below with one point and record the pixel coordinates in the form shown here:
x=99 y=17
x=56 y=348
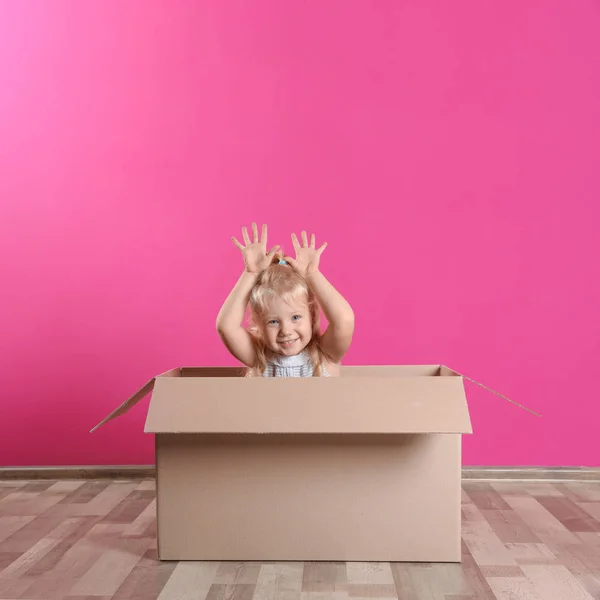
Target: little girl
x=285 y=296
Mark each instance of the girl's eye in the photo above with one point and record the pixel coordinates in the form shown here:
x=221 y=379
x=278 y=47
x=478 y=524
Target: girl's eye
x=273 y=322
x=295 y=317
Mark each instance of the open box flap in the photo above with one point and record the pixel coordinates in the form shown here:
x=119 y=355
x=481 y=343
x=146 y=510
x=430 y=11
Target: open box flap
x=133 y=400
x=309 y=405
x=447 y=371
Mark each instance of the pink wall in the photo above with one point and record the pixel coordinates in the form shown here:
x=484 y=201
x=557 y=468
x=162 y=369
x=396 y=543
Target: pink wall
x=448 y=152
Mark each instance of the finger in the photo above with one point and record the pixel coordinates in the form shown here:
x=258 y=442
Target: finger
x=255 y=233
x=320 y=250
x=263 y=236
x=246 y=238
x=295 y=242
x=271 y=254
x=304 y=240
x=291 y=261
x=237 y=243
x=312 y=241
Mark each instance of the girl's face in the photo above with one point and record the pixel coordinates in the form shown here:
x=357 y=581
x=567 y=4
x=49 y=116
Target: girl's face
x=287 y=329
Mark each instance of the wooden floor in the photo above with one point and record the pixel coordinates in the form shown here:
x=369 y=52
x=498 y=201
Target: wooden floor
x=97 y=539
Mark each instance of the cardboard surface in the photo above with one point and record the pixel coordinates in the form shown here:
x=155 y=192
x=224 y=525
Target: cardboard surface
x=343 y=498
x=309 y=405
x=362 y=467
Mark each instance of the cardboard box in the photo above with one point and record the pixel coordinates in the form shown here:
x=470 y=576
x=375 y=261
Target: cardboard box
x=362 y=467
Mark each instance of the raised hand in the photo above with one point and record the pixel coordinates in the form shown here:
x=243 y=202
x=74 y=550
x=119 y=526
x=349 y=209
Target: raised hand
x=256 y=258
x=307 y=257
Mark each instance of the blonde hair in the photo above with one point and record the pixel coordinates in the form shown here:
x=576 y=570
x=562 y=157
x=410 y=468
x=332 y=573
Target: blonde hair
x=283 y=281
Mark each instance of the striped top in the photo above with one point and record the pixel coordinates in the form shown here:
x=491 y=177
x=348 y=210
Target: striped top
x=291 y=366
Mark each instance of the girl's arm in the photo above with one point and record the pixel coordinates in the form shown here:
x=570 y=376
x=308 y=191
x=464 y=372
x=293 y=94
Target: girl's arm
x=230 y=320
x=338 y=336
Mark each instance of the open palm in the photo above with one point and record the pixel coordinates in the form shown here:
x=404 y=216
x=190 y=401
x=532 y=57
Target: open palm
x=254 y=252
x=307 y=256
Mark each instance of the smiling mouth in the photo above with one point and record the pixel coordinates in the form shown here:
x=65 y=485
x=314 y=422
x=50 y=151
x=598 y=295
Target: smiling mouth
x=289 y=343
